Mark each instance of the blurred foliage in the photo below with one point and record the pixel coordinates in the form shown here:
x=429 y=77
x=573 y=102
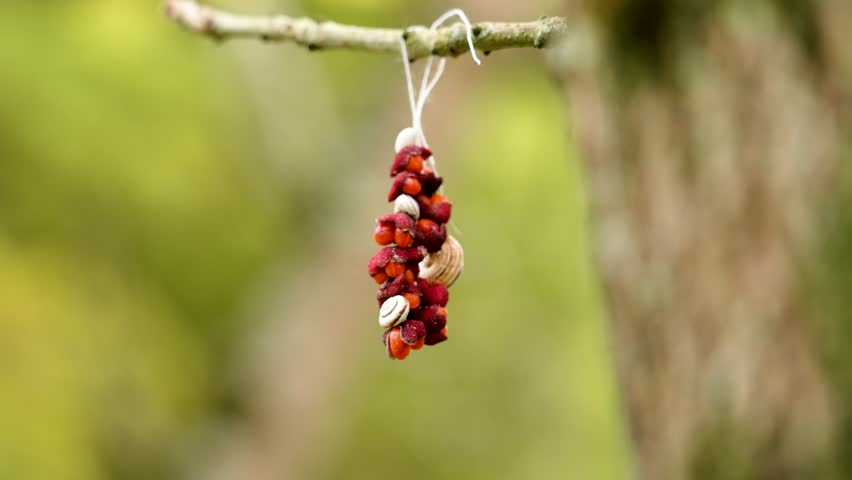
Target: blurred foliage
x=141 y=211
x=129 y=233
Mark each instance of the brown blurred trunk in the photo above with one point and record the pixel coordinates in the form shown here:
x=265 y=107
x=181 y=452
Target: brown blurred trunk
x=710 y=140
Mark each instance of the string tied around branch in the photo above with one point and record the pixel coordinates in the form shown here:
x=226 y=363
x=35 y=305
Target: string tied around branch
x=427 y=84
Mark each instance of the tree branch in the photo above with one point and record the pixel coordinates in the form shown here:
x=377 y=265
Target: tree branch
x=422 y=42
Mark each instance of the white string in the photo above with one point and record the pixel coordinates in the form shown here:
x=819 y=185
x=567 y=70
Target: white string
x=460 y=13
x=407 y=64
x=425 y=90
x=427 y=84
x=424 y=87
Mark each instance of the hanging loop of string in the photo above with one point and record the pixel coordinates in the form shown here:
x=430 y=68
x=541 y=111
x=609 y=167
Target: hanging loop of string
x=427 y=84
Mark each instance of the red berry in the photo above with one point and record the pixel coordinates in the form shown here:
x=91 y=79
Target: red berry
x=415 y=164
x=430 y=234
x=413 y=300
x=412 y=331
x=411 y=186
x=384 y=234
x=380 y=277
x=437 y=337
x=403 y=239
x=403 y=158
x=397 y=347
x=410 y=276
x=394 y=269
x=434 y=318
x=425 y=225
x=434 y=293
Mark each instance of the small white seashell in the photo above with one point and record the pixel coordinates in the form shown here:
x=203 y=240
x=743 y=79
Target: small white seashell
x=408 y=205
x=393 y=312
x=445 y=265
x=408 y=136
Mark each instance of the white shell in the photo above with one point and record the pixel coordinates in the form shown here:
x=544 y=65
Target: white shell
x=445 y=265
x=408 y=136
x=393 y=312
x=408 y=205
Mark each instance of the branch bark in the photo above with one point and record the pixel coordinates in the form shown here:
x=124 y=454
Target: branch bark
x=422 y=42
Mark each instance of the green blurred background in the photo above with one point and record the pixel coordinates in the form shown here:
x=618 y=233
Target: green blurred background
x=184 y=231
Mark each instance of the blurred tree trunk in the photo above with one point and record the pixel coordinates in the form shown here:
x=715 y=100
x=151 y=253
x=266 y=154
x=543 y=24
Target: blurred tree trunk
x=712 y=133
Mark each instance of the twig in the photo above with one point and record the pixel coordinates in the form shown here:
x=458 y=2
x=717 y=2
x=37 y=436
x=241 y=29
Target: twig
x=422 y=42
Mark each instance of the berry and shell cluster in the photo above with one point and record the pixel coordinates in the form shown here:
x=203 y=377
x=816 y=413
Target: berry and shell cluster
x=418 y=260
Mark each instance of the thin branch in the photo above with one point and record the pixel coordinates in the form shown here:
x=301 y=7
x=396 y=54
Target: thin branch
x=422 y=42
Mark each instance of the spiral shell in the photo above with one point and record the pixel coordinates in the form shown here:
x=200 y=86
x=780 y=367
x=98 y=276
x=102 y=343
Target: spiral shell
x=445 y=265
x=408 y=136
x=393 y=312
x=407 y=205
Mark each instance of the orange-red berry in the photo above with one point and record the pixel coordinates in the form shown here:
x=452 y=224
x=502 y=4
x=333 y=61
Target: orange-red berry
x=394 y=269
x=437 y=198
x=419 y=344
x=415 y=164
x=403 y=239
x=384 y=234
x=380 y=277
x=425 y=225
x=404 y=157
x=411 y=186
x=413 y=300
x=431 y=234
x=398 y=348
x=410 y=277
